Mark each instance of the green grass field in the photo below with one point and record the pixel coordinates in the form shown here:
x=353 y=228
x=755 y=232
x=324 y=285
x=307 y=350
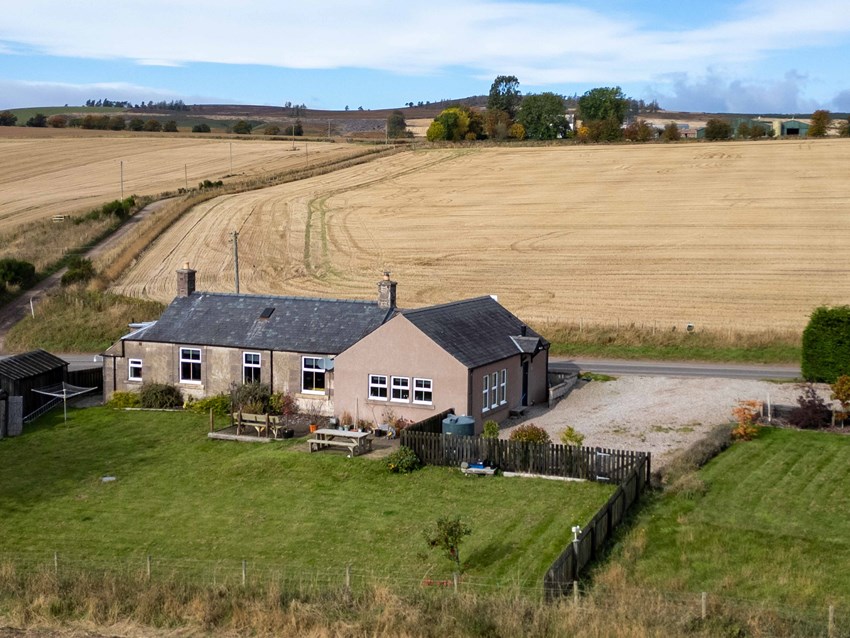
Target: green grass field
x=189 y=501
x=771 y=527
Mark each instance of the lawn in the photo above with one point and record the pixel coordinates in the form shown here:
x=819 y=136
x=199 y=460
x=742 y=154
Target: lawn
x=187 y=500
x=772 y=526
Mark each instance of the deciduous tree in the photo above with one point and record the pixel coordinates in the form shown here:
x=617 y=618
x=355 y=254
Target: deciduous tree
x=153 y=126
x=447 y=535
x=603 y=103
x=504 y=95
x=57 y=121
x=639 y=131
x=7 y=118
x=242 y=128
x=38 y=120
x=544 y=117
x=717 y=129
x=201 y=128
x=671 y=132
x=136 y=124
x=821 y=121
x=396 y=125
x=170 y=126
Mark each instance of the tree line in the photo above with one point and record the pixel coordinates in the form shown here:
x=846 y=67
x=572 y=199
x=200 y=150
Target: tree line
x=170 y=105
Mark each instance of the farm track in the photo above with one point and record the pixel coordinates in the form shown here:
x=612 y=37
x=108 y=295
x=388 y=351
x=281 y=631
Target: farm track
x=737 y=235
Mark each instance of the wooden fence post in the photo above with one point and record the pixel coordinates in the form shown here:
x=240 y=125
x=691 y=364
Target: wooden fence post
x=244 y=572
x=149 y=566
x=704 y=605
x=454 y=578
x=348 y=577
x=56 y=563
x=830 y=625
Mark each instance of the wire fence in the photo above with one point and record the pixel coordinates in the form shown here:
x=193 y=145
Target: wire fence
x=830 y=621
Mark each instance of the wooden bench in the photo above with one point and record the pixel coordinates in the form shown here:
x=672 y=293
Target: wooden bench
x=260 y=422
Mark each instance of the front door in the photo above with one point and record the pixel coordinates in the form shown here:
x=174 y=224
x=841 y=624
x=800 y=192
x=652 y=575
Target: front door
x=525 y=383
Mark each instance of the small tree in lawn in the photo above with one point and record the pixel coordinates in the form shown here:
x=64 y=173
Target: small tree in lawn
x=841 y=393
x=811 y=411
x=747 y=414
x=447 y=535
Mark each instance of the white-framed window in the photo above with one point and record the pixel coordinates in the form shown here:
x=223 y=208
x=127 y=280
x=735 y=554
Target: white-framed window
x=134 y=370
x=503 y=387
x=378 y=387
x=494 y=390
x=485 y=394
x=251 y=367
x=423 y=391
x=190 y=365
x=400 y=389
x=312 y=375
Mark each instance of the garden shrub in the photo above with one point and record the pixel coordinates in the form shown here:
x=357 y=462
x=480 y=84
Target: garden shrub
x=219 y=404
x=694 y=457
x=160 y=396
x=491 y=430
x=530 y=433
x=252 y=398
x=79 y=270
x=747 y=413
x=403 y=461
x=283 y=403
x=811 y=411
x=826 y=345
x=571 y=436
x=123 y=400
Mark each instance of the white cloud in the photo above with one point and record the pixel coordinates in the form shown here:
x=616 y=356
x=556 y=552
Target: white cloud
x=540 y=42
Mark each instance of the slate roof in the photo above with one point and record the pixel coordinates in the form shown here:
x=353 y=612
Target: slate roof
x=29 y=364
x=297 y=324
x=476 y=331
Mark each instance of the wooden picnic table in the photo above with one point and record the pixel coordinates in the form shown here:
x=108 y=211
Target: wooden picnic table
x=355 y=442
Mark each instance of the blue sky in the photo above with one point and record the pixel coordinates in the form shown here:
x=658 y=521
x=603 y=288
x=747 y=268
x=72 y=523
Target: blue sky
x=754 y=56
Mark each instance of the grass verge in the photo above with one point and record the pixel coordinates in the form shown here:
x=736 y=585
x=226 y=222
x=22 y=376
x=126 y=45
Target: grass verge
x=768 y=524
x=637 y=342
x=200 y=507
x=74 y=320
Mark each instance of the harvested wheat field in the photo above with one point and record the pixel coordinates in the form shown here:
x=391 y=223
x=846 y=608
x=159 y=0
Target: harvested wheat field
x=743 y=234
x=67 y=173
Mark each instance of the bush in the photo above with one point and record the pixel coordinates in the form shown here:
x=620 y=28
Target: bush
x=252 y=398
x=57 y=121
x=271 y=129
x=219 y=404
x=283 y=403
x=826 y=345
x=152 y=126
x=747 y=413
x=403 y=461
x=38 y=120
x=160 y=396
x=201 y=128
x=572 y=437
x=123 y=400
x=716 y=129
x=170 y=126
x=7 y=118
x=811 y=411
x=79 y=270
x=136 y=124
x=694 y=457
x=491 y=430
x=530 y=433
x=242 y=127
x=16 y=272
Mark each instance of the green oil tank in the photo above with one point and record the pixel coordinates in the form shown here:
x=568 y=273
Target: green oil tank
x=460 y=425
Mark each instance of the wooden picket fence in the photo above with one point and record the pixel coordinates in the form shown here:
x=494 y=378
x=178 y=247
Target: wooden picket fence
x=563 y=574
x=548 y=459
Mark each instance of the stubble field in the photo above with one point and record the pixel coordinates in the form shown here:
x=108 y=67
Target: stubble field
x=50 y=172
x=747 y=235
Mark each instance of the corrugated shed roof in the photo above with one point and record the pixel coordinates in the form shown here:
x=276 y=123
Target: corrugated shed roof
x=475 y=331
x=30 y=364
x=296 y=324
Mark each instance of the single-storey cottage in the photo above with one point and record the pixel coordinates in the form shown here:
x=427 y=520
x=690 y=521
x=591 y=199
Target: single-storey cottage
x=369 y=359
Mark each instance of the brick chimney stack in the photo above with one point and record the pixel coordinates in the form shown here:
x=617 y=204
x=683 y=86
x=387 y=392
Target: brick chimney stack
x=185 y=281
x=386 y=292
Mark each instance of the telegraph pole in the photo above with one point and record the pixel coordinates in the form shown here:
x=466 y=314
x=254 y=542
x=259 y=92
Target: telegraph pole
x=235 y=239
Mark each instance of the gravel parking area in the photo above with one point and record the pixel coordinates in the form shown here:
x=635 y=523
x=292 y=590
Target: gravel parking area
x=660 y=415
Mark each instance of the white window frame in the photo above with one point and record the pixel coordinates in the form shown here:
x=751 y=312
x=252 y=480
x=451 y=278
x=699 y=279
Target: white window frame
x=424 y=390
x=503 y=387
x=486 y=394
x=258 y=367
x=186 y=358
x=377 y=384
x=134 y=364
x=494 y=390
x=318 y=367
x=400 y=385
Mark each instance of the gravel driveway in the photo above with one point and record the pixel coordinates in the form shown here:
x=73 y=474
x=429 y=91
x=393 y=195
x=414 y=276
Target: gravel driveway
x=660 y=415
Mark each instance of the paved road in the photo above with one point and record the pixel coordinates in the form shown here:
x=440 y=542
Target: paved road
x=674 y=369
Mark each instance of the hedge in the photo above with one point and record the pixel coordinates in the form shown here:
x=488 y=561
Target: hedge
x=826 y=345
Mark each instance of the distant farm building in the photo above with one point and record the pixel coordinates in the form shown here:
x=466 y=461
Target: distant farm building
x=794 y=128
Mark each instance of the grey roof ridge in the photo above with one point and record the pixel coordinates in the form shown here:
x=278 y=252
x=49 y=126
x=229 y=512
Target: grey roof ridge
x=446 y=305
x=269 y=296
